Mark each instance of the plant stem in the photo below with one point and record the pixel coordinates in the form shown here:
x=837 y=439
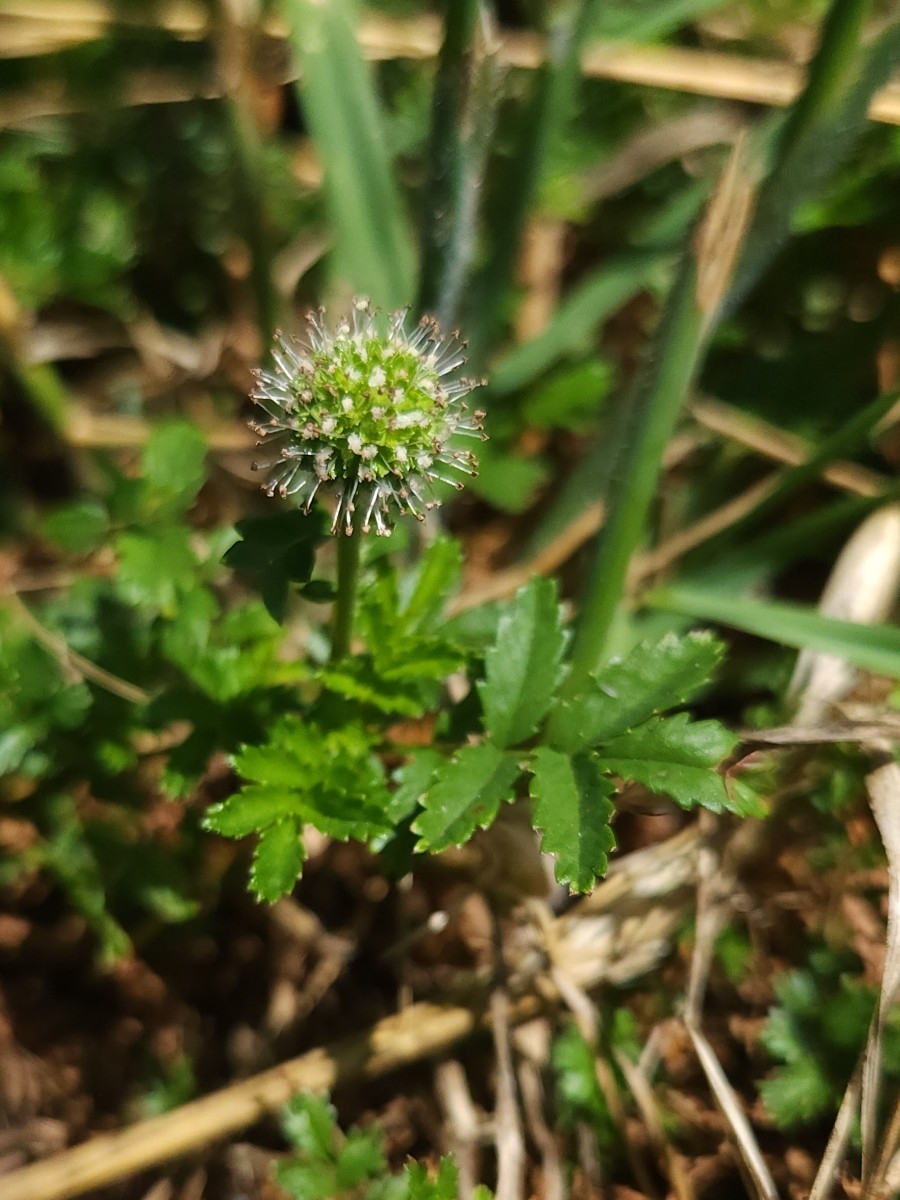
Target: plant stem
x=348 y=551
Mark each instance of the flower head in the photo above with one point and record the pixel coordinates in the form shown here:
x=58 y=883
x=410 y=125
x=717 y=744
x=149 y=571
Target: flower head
x=371 y=416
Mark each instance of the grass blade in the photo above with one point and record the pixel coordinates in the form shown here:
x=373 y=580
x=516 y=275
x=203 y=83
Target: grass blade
x=819 y=131
x=646 y=421
x=578 y=317
x=464 y=104
x=373 y=252
x=555 y=90
x=872 y=647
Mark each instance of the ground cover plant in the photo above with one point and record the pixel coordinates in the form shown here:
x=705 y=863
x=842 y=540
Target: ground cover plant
x=485 y=783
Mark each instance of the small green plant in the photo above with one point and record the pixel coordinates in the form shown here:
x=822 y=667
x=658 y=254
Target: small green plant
x=373 y=416
x=816 y=1032
x=326 y=1164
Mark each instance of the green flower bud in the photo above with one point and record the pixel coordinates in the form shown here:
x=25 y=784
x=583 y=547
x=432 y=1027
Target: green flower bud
x=371 y=417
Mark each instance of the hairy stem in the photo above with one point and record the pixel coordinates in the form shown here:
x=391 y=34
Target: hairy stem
x=348 y=550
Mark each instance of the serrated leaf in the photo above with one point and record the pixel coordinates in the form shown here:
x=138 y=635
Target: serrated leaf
x=413 y=780
x=467 y=796
x=78 y=527
x=356 y=680
x=360 y=1158
x=277 y=861
x=331 y=779
x=653 y=677
x=524 y=666
x=309 y=1123
x=443 y=1186
x=249 y=810
x=436 y=577
x=154 y=569
x=279 y=550
x=798 y=1093
x=174 y=459
x=308 y=1180
x=572 y=808
x=674 y=756
x=421 y=658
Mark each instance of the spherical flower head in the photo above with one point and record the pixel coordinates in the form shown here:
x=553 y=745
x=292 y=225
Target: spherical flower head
x=373 y=417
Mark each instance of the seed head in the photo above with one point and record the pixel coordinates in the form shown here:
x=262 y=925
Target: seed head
x=371 y=417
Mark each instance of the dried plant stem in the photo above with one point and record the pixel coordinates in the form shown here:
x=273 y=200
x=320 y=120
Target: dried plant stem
x=507 y=1119
x=418 y=1032
x=71 y=662
x=698 y=72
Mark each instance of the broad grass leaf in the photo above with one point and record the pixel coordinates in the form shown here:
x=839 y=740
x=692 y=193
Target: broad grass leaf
x=872 y=647
x=572 y=808
x=249 y=810
x=524 y=666
x=341 y=108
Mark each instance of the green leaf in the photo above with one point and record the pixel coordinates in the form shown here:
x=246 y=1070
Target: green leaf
x=308 y=1180
x=342 y=110
x=798 y=1093
x=653 y=677
x=278 y=859
x=524 y=666
x=357 y=680
x=506 y=480
x=155 y=569
x=466 y=796
x=360 y=1158
x=432 y=583
x=331 y=779
x=78 y=527
x=572 y=809
x=279 y=550
x=443 y=1186
x=674 y=756
x=309 y=1123
x=413 y=780
x=174 y=459
x=571 y=399
x=872 y=647
x=575 y=323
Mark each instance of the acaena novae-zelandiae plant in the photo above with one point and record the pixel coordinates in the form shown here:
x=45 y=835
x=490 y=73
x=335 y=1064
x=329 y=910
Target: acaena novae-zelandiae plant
x=372 y=418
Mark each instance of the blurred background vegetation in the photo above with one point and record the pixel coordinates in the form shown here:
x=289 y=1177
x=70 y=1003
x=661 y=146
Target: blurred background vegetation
x=169 y=195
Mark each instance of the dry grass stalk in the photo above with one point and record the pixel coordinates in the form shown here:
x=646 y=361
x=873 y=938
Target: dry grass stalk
x=698 y=72
x=617 y=934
